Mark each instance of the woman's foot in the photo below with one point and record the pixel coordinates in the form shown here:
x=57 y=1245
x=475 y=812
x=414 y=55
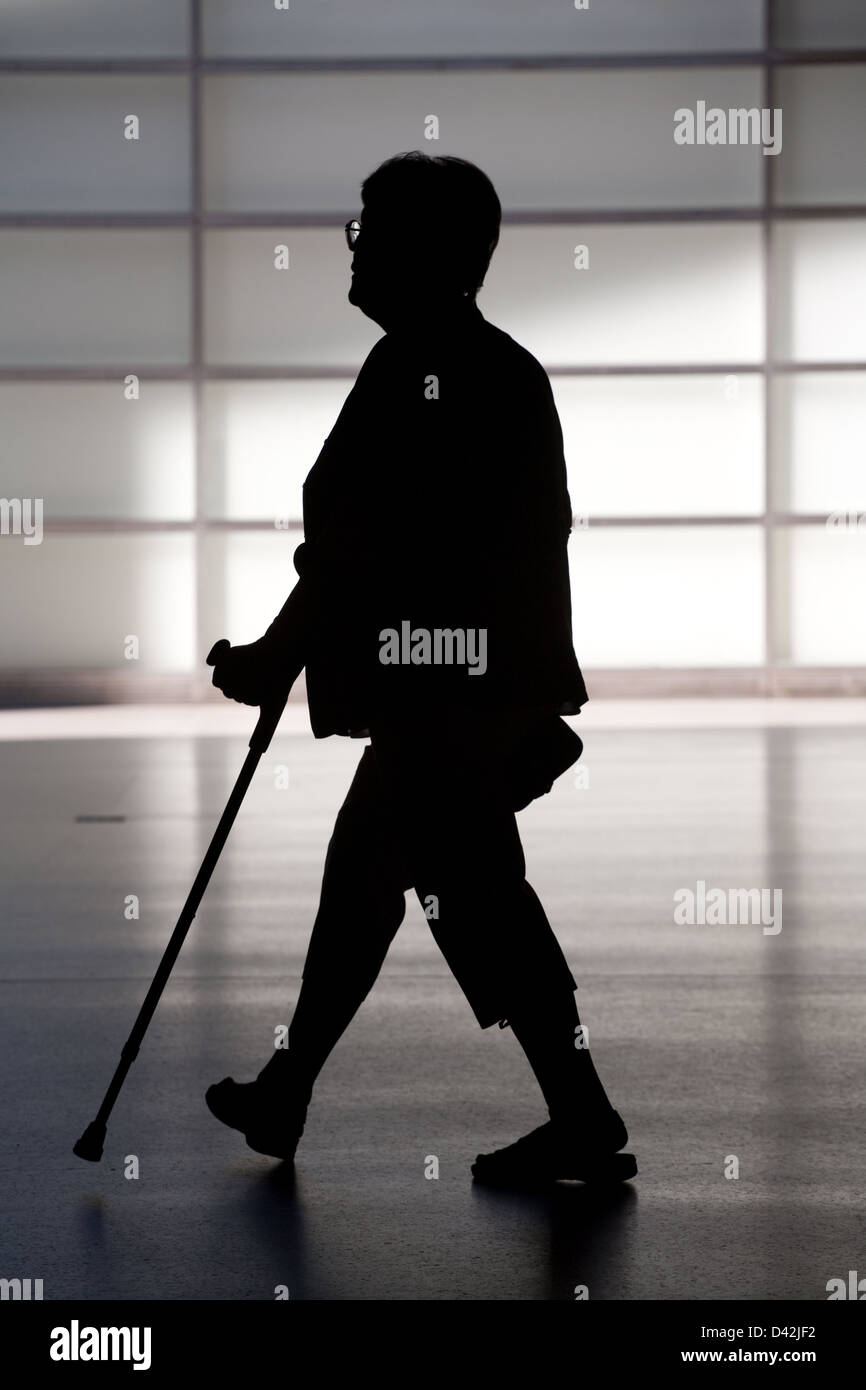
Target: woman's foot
x=557 y=1151
x=270 y=1119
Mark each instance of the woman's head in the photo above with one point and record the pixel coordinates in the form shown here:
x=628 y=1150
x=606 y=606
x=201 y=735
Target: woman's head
x=429 y=225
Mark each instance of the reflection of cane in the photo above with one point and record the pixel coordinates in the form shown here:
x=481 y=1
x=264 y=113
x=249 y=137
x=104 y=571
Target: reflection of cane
x=90 y=1144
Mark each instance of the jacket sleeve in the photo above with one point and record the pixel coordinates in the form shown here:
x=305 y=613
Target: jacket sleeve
x=338 y=546
x=288 y=635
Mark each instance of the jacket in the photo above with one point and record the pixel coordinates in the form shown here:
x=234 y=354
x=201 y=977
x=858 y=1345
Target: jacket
x=434 y=568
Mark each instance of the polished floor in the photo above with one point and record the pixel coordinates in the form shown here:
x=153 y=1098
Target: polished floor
x=716 y=1042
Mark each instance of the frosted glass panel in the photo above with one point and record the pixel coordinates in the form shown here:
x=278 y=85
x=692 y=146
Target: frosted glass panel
x=64 y=148
x=257 y=315
x=261 y=440
x=94 y=298
x=827 y=580
x=655 y=294
x=413 y=28
x=832 y=24
x=823 y=157
x=819 y=434
x=304 y=142
x=94 y=29
x=245 y=580
x=820 y=290
x=663 y=446
x=685 y=293
x=78 y=597
x=667 y=596
x=90 y=453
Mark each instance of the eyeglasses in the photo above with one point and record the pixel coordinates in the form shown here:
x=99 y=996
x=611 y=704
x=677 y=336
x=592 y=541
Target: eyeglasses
x=353 y=231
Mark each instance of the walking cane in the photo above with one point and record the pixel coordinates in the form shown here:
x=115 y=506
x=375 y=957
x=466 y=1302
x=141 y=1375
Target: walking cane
x=90 y=1144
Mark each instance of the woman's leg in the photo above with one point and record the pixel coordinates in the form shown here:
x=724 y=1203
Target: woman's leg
x=361 y=907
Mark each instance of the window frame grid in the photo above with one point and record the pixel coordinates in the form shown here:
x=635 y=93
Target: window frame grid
x=773 y=677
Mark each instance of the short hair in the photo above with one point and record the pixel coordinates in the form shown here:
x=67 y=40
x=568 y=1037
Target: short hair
x=459 y=199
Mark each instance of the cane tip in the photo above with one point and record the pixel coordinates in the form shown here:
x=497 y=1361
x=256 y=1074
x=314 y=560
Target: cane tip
x=90 y=1144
